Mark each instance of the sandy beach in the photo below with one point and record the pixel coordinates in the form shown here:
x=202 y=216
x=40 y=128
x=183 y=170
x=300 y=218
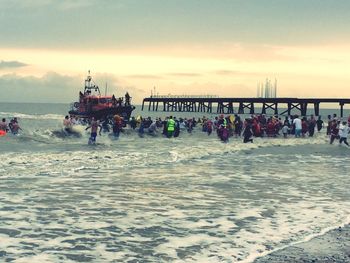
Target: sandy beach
x=334 y=246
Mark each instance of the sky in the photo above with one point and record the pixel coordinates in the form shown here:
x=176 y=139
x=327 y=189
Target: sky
x=178 y=47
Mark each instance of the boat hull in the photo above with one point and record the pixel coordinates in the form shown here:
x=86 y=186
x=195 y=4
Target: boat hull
x=123 y=111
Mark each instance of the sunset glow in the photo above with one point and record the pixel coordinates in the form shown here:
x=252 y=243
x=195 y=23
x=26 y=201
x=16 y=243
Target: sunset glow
x=221 y=66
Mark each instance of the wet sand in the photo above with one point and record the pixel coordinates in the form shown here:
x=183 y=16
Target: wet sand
x=334 y=246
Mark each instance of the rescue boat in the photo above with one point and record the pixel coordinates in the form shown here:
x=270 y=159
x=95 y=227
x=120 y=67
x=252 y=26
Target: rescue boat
x=92 y=104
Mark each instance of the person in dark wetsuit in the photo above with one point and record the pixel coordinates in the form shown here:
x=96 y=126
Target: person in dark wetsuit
x=127 y=99
x=248 y=132
x=319 y=124
x=177 y=128
x=105 y=125
x=141 y=130
x=165 y=126
x=312 y=125
x=133 y=123
x=238 y=125
x=329 y=124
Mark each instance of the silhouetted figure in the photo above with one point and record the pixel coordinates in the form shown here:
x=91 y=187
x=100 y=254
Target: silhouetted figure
x=127 y=99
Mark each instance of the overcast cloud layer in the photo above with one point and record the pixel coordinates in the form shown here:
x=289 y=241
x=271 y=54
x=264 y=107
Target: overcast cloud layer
x=180 y=47
x=121 y=23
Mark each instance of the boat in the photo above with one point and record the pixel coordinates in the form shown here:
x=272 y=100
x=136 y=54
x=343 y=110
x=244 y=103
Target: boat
x=92 y=104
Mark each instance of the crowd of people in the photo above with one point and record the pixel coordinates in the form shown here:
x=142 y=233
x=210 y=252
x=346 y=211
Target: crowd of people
x=12 y=126
x=223 y=126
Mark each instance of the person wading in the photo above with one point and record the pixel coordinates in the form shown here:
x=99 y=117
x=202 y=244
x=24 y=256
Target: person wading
x=170 y=127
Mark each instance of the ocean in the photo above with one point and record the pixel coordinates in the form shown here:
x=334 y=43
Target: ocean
x=153 y=199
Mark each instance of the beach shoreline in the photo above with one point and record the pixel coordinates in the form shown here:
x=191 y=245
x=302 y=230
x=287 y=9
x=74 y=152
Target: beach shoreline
x=333 y=246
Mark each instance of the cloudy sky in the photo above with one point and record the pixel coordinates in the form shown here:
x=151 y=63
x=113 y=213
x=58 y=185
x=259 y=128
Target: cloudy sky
x=179 y=47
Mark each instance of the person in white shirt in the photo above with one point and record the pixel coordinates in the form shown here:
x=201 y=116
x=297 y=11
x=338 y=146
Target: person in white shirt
x=343 y=133
x=297 y=125
x=152 y=129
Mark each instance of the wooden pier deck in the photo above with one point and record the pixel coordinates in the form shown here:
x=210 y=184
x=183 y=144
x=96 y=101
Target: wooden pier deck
x=240 y=105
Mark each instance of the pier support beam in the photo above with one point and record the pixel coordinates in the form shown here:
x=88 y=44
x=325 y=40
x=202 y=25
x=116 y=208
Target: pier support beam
x=272 y=106
x=230 y=108
x=276 y=108
x=249 y=106
x=241 y=108
x=220 y=108
x=209 y=108
x=303 y=109
x=252 y=108
x=341 y=110
x=292 y=106
x=317 y=108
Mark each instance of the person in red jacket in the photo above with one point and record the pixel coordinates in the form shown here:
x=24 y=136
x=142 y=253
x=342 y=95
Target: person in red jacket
x=334 y=130
x=270 y=129
x=304 y=127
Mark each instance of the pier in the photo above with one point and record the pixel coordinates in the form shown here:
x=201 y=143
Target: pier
x=212 y=104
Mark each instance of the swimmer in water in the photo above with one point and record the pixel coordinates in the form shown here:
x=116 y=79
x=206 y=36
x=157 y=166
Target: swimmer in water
x=14 y=127
x=67 y=123
x=94 y=127
x=3 y=125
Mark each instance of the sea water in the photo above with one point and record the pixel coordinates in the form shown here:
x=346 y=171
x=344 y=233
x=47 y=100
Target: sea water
x=153 y=199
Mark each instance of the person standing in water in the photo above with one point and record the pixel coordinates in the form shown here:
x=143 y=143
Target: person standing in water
x=343 y=133
x=209 y=125
x=67 y=124
x=319 y=124
x=3 y=125
x=329 y=122
x=298 y=126
x=170 y=125
x=334 y=131
x=133 y=123
x=177 y=128
x=94 y=127
x=285 y=129
x=117 y=125
x=14 y=127
x=248 y=132
x=152 y=129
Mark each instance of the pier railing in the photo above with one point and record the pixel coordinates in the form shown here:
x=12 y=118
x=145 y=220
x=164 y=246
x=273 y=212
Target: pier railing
x=239 y=105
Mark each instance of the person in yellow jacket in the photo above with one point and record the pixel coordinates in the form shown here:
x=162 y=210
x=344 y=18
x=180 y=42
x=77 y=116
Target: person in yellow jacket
x=170 y=125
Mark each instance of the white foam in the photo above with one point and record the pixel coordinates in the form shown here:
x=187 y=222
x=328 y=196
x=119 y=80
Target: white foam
x=216 y=202
x=42 y=258
x=32 y=116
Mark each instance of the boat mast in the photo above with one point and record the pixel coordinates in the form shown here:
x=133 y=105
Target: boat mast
x=90 y=85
